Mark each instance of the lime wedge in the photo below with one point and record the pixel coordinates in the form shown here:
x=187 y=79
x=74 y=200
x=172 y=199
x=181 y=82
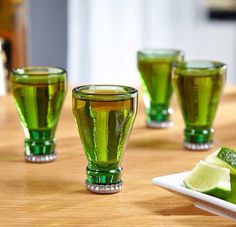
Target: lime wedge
x=209 y=179
x=232 y=196
x=224 y=157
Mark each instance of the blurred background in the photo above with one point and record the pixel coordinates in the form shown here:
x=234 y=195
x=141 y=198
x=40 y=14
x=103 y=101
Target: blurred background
x=97 y=40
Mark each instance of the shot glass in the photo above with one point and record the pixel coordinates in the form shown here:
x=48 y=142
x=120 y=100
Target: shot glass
x=39 y=94
x=155 y=67
x=104 y=115
x=198 y=86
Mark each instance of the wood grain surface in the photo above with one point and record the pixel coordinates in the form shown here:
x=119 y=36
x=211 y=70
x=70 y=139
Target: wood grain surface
x=54 y=194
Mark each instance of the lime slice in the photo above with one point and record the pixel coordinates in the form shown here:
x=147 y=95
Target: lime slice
x=232 y=196
x=224 y=157
x=209 y=179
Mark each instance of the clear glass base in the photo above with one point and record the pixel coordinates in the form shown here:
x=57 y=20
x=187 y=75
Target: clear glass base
x=104 y=188
x=155 y=124
x=198 y=146
x=40 y=158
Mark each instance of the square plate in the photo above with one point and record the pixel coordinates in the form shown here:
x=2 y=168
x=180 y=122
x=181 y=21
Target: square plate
x=174 y=183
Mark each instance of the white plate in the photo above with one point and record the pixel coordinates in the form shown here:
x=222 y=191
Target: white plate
x=174 y=183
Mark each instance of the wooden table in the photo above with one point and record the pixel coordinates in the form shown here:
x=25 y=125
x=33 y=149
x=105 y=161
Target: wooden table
x=54 y=194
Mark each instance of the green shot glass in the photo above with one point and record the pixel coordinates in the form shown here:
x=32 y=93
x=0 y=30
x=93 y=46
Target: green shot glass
x=198 y=85
x=39 y=93
x=155 y=67
x=104 y=115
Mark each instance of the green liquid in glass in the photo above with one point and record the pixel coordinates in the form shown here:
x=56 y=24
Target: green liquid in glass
x=157 y=89
x=39 y=101
x=155 y=72
x=104 y=125
x=198 y=92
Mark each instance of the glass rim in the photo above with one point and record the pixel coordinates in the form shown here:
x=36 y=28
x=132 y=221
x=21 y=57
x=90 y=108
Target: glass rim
x=200 y=65
x=79 y=90
x=32 y=71
x=159 y=52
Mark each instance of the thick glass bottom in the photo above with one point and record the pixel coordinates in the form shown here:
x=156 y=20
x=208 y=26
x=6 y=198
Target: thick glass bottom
x=198 y=146
x=103 y=173
x=40 y=158
x=40 y=151
x=155 y=124
x=158 y=116
x=104 y=188
x=198 y=139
